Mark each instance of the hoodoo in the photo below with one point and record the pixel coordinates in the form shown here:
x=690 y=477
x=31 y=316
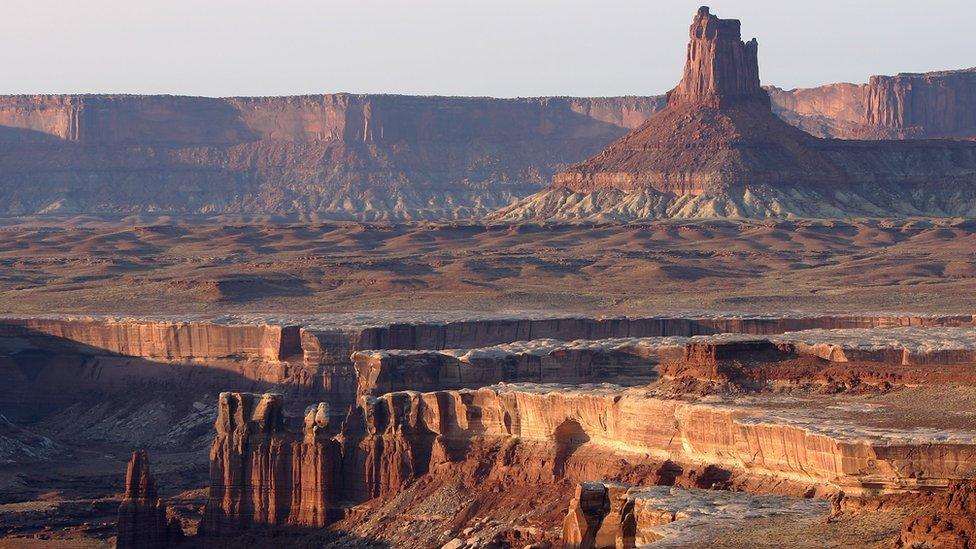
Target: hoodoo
x=142 y=515
x=717 y=150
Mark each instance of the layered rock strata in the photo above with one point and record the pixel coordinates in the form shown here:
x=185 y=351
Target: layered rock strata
x=717 y=150
x=539 y=361
x=826 y=449
x=51 y=360
x=906 y=105
x=264 y=474
x=335 y=156
x=143 y=522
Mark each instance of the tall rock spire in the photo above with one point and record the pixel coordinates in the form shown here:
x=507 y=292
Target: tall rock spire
x=142 y=515
x=720 y=68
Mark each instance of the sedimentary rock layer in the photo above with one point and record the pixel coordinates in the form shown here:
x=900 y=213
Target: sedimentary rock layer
x=51 y=360
x=160 y=339
x=345 y=156
x=717 y=150
x=403 y=430
x=262 y=473
x=391 y=157
x=907 y=105
x=540 y=361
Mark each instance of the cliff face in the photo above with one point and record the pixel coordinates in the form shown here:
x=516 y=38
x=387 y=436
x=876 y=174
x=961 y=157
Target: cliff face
x=142 y=515
x=720 y=68
x=377 y=157
x=341 y=155
x=262 y=473
x=927 y=105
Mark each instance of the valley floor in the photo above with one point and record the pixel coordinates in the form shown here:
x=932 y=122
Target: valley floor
x=84 y=265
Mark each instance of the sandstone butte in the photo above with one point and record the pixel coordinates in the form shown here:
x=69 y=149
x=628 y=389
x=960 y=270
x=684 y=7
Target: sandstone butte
x=718 y=150
x=718 y=131
x=143 y=523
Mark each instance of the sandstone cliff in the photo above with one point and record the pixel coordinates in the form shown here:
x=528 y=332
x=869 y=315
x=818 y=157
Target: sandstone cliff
x=339 y=156
x=907 y=105
x=143 y=523
x=262 y=473
x=717 y=150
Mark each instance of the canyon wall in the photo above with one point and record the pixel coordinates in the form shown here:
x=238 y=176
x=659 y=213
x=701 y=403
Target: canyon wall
x=405 y=434
x=377 y=157
x=344 y=156
x=907 y=105
x=50 y=361
x=262 y=472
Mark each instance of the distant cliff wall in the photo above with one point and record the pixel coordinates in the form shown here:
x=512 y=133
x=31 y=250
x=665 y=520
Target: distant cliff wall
x=341 y=156
x=926 y=105
x=379 y=157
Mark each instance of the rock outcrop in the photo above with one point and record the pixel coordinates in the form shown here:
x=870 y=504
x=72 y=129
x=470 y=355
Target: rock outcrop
x=264 y=474
x=339 y=156
x=720 y=69
x=143 y=522
x=907 y=105
x=952 y=525
x=612 y=515
x=377 y=157
x=541 y=361
x=585 y=432
x=717 y=150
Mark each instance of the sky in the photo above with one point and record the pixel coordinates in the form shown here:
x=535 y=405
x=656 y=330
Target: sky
x=501 y=48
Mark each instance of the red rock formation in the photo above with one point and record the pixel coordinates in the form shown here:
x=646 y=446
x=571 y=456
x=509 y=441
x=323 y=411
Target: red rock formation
x=142 y=515
x=263 y=474
x=927 y=105
x=720 y=69
x=952 y=526
x=331 y=155
x=718 y=133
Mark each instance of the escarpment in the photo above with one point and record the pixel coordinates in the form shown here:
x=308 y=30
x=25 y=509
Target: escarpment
x=340 y=156
x=464 y=437
x=908 y=105
x=391 y=157
x=143 y=522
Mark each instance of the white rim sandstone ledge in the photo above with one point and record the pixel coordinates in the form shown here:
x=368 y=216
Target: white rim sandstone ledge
x=816 y=443
x=831 y=344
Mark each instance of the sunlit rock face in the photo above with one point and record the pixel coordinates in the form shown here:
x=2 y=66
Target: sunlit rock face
x=908 y=105
x=264 y=474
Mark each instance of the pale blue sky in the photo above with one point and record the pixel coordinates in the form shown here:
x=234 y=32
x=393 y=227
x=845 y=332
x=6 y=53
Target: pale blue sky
x=499 y=48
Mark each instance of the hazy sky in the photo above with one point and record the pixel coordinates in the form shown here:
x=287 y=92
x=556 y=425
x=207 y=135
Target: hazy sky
x=454 y=47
